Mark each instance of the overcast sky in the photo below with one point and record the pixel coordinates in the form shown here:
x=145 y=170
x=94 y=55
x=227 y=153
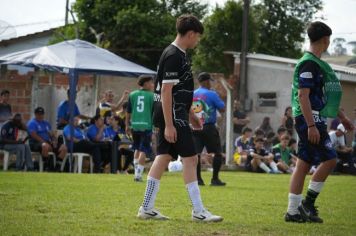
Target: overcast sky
x=28 y=16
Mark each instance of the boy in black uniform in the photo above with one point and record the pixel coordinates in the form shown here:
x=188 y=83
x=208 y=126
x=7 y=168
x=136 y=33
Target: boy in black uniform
x=173 y=98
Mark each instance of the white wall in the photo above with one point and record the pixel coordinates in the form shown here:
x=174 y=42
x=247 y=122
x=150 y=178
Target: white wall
x=265 y=76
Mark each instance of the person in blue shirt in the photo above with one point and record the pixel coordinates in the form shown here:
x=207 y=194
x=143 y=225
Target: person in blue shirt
x=43 y=139
x=82 y=144
x=115 y=131
x=206 y=103
x=63 y=113
x=99 y=134
x=9 y=141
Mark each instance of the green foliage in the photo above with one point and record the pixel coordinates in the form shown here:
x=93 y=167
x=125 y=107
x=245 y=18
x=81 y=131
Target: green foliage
x=106 y=204
x=223 y=33
x=63 y=33
x=282 y=25
x=138 y=30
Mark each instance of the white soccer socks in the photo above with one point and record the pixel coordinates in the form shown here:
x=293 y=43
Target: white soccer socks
x=152 y=188
x=274 y=167
x=264 y=167
x=194 y=195
x=294 y=201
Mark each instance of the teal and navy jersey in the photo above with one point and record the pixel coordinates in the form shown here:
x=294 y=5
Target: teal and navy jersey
x=140 y=107
x=310 y=76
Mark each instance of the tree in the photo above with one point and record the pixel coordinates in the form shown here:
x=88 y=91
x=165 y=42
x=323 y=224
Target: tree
x=222 y=32
x=138 y=30
x=339 y=49
x=282 y=25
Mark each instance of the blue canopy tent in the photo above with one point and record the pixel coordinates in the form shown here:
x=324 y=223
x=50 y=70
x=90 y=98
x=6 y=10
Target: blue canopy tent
x=75 y=57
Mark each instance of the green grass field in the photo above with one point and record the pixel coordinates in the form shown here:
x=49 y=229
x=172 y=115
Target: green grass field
x=252 y=204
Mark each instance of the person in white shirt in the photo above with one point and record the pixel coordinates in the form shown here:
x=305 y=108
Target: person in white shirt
x=344 y=153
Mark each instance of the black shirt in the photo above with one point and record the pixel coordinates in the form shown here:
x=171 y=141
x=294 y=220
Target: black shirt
x=174 y=67
x=8 y=131
x=239 y=115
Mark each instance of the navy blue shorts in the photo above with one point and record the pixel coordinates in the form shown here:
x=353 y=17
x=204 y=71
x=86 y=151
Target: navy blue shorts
x=142 y=141
x=314 y=153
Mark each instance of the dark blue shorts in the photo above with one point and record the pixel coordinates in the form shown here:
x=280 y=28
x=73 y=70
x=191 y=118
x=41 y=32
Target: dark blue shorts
x=142 y=141
x=314 y=153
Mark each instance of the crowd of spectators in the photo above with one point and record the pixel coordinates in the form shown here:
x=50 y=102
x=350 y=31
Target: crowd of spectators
x=105 y=138
x=102 y=137
x=262 y=150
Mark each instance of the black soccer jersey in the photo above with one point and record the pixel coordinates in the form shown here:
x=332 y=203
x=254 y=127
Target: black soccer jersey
x=174 y=67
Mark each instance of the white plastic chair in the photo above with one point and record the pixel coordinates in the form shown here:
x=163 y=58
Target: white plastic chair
x=6 y=159
x=40 y=159
x=78 y=160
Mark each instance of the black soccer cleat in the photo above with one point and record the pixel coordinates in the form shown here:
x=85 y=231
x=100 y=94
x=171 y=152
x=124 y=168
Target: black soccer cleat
x=297 y=218
x=217 y=182
x=309 y=212
x=201 y=182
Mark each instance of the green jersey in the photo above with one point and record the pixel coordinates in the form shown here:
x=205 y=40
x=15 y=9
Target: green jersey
x=140 y=107
x=279 y=153
x=332 y=88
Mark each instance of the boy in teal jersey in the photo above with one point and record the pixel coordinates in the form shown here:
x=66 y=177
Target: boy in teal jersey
x=139 y=120
x=316 y=95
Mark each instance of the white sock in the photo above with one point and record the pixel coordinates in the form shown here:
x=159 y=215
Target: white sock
x=194 y=194
x=140 y=169
x=152 y=188
x=316 y=186
x=294 y=201
x=135 y=161
x=274 y=167
x=263 y=166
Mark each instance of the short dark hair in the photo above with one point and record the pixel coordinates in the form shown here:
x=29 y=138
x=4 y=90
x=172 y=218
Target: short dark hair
x=270 y=135
x=95 y=118
x=142 y=79
x=246 y=129
x=4 y=92
x=281 y=129
x=259 y=132
x=189 y=22
x=292 y=141
x=316 y=30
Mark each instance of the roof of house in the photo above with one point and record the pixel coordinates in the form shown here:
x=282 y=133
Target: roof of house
x=7 y=42
x=257 y=56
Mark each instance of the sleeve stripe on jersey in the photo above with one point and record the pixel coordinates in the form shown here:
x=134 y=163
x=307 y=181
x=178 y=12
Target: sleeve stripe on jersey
x=176 y=81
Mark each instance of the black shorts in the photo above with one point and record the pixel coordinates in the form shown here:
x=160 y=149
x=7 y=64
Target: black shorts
x=37 y=147
x=142 y=141
x=184 y=146
x=209 y=138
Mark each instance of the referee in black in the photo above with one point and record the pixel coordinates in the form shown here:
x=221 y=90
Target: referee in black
x=207 y=102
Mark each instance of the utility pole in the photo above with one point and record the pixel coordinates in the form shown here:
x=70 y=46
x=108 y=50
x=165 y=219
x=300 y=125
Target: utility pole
x=242 y=82
x=66 y=15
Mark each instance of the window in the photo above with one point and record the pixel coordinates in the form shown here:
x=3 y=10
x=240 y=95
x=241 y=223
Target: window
x=267 y=99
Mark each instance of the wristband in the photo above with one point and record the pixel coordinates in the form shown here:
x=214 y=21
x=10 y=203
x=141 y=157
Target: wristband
x=313 y=125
